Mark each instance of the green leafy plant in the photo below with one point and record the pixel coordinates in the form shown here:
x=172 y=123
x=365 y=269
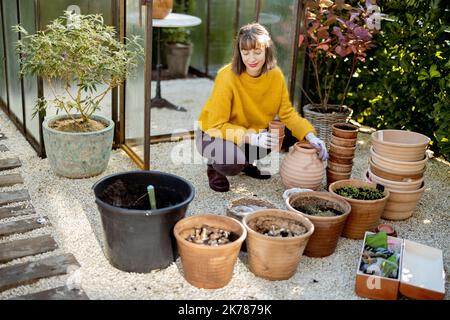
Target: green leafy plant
x=360 y=193
x=177 y=35
x=335 y=34
x=406 y=82
x=80 y=51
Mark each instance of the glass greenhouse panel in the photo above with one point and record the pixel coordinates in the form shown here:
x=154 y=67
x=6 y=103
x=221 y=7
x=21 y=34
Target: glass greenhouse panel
x=134 y=88
x=222 y=34
x=3 y=95
x=278 y=17
x=247 y=12
x=198 y=8
x=50 y=10
x=12 y=58
x=27 y=18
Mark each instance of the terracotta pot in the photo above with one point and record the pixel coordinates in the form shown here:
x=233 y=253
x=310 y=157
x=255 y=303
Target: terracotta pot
x=365 y=214
x=388 y=229
x=161 y=8
x=302 y=168
x=341 y=142
x=338 y=167
x=400 y=145
x=327 y=230
x=205 y=266
x=390 y=175
x=396 y=166
x=277 y=127
x=333 y=176
x=407 y=184
x=344 y=130
x=340 y=159
x=401 y=204
x=271 y=257
x=342 y=151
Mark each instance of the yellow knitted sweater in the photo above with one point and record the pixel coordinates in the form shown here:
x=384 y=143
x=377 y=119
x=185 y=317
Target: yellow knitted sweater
x=243 y=104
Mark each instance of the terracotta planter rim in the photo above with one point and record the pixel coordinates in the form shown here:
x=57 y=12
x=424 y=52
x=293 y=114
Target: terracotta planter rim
x=317 y=194
x=177 y=230
x=371 y=163
x=374 y=136
x=286 y=214
x=399 y=162
x=305 y=147
x=393 y=182
x=368 y=184
x=341 y=147
x=421 y=189
x=343 y=139
x=335 y=126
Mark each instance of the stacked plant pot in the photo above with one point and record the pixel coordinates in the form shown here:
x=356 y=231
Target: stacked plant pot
x=341 y=152
x=397 y=161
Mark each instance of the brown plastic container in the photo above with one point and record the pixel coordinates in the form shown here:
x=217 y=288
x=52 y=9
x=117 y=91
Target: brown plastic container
x=205 y=266
x=421 y=274
x=275 y=258
x=327 y=230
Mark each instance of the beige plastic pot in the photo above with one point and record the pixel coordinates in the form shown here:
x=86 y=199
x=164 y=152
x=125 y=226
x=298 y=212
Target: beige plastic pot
x=205 y=266
x=400 y=145
x=275 y=258
x=327 y=230
x=365 y=214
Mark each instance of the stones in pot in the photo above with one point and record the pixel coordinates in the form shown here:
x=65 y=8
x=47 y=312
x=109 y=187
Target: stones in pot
x=327 y=228
x=275 y=258
x=205 y=266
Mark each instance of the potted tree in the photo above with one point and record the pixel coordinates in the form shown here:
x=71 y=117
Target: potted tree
x=80 y=60
x=336 y=37
x=179 y=48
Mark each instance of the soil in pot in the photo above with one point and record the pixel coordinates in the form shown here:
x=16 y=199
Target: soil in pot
x=134 y=196
x=77 y=125
x=360 y=193
x=317 y=209
x=210 y=236
x=277 y=227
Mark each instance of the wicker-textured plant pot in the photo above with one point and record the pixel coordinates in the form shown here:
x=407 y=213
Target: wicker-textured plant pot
x=322 y=122
x=327 y=230
x=365 y=214
x=275 y=258
x=205 y=266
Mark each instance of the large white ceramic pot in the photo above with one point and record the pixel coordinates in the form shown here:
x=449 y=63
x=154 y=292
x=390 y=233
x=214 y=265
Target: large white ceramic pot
x=400 y=144
x=78 y=154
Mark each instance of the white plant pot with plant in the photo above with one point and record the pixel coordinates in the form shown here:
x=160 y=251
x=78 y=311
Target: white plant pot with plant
x=76 y=55
x=336 y=34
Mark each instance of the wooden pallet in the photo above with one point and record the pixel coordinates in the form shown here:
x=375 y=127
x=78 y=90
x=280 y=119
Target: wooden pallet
x=14 y=196
x=15 y=211
x=29 y=272
x=7 y=180
x=9 y=163
x=3 y=148
x=21 y=226
x=60 y=293
x=26 y=247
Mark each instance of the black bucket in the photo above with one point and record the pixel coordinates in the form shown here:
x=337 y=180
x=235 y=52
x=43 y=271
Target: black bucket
x=138 y=239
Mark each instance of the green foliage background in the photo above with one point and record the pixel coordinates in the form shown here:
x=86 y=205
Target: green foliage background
x=405 y=83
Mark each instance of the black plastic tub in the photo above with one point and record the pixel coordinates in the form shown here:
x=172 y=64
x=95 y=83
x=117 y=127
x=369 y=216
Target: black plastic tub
x=138 y=239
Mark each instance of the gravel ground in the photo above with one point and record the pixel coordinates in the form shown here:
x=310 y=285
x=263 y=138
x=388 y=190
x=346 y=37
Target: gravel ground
x=76 y=226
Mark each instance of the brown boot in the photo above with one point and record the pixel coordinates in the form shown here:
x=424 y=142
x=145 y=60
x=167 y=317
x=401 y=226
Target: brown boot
x=218 y=182
x=253 y=171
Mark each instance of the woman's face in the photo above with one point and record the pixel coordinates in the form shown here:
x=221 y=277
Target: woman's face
x=253 y=60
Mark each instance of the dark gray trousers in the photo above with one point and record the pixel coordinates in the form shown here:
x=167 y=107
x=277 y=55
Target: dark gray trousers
x=226 y=157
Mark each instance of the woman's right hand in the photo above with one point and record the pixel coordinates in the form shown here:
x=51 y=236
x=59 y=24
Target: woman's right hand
x=265 y=139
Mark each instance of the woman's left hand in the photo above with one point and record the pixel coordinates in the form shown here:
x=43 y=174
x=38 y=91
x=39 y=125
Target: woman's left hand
x=318 y=144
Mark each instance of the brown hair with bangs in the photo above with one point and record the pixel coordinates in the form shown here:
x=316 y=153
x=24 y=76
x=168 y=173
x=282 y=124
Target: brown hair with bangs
x=253 y=36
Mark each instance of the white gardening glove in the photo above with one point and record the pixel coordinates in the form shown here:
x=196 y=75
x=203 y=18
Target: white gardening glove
x=318 y=144
x=264 y=139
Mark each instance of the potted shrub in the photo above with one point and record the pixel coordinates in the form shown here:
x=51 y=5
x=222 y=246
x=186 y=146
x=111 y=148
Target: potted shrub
x=336 y=34
x=179 y=50
x=76 y=55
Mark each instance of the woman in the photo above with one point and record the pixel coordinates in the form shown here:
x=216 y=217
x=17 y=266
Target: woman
x=247 y=95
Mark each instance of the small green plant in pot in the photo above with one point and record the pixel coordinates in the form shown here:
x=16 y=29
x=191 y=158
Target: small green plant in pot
x=80 y=61
x=179 y=48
